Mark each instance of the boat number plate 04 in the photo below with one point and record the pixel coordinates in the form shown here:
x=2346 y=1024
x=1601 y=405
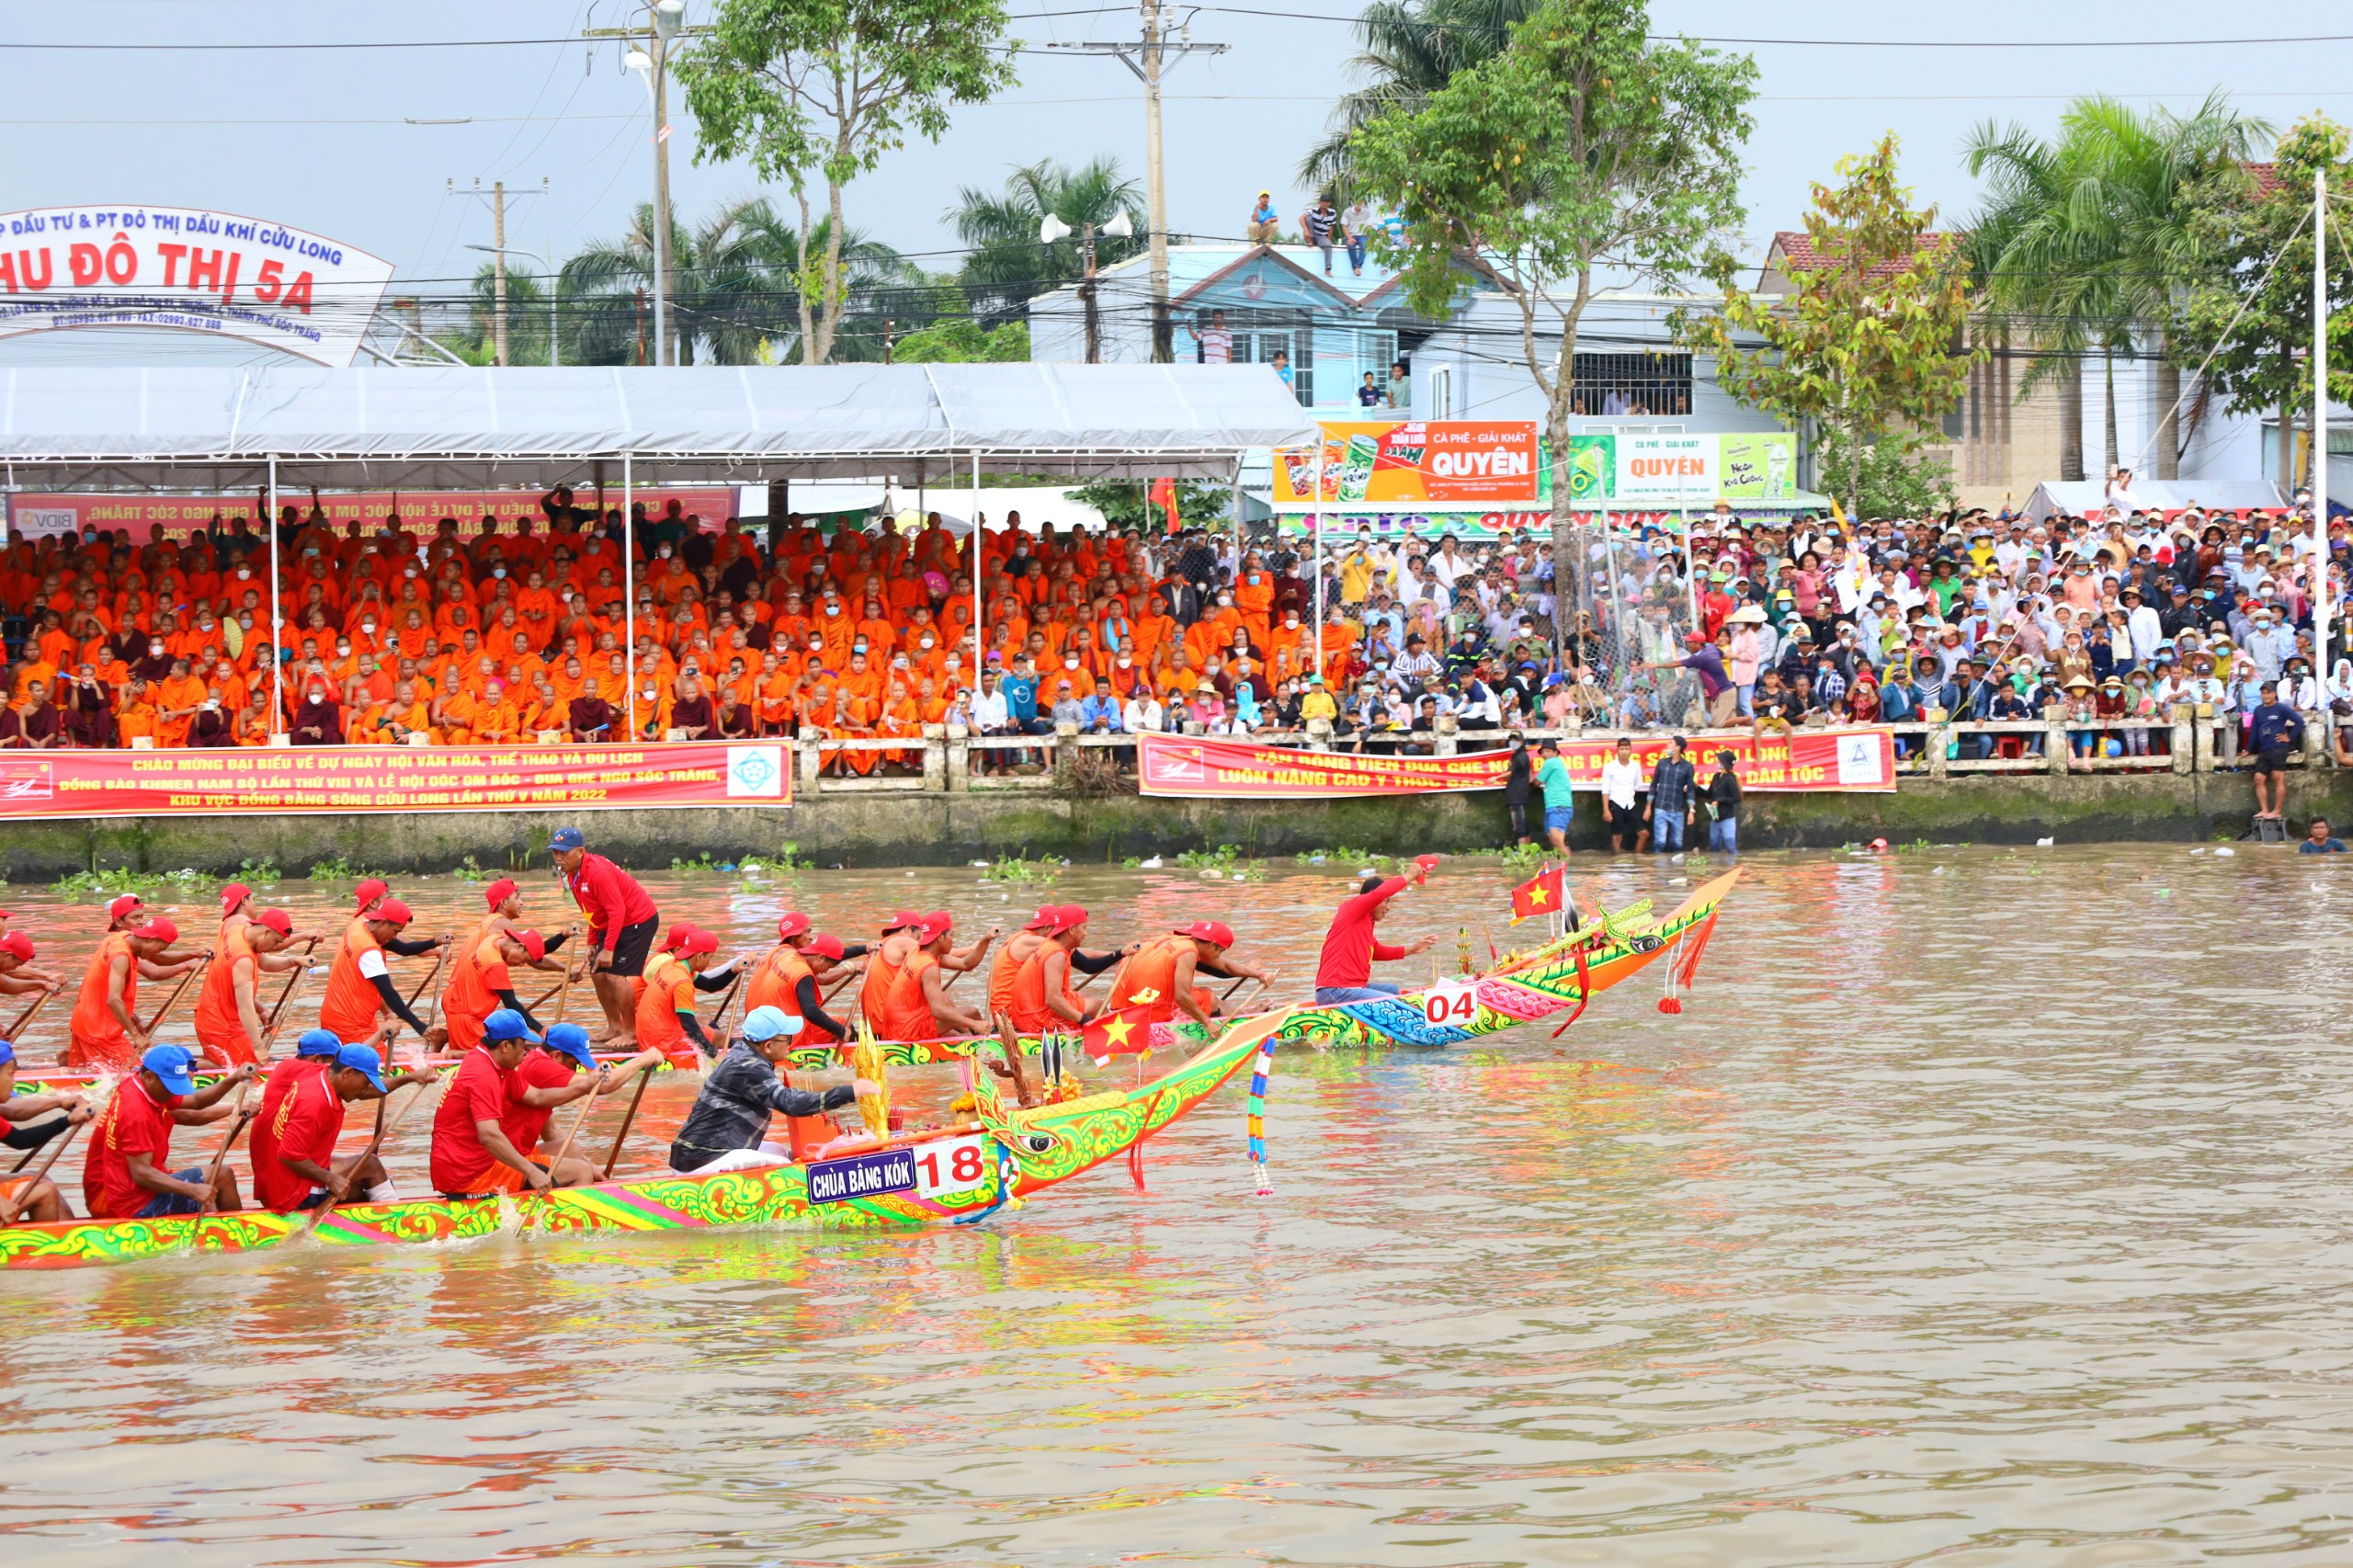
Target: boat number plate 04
x=862 y=1176
x=952 y=1165
x=1451 y=1004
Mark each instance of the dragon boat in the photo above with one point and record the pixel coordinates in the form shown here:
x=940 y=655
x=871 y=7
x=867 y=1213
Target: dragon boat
x=1518 y=988
x=960 y=1173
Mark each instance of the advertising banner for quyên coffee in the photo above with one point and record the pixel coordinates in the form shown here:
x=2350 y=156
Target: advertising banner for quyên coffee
x=1218 y=767
x=187 y=270
x=209 y=781
x=143 y=517
x=1383 y=463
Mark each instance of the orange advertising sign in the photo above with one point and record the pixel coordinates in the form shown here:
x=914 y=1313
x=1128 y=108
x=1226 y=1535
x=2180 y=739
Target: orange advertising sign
x=1387 y=464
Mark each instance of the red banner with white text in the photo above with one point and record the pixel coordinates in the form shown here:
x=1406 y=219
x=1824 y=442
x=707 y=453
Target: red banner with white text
x=209 y=781
x=1213 y=767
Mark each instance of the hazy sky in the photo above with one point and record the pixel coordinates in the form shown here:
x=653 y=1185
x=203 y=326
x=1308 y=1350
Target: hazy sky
x=320 y=139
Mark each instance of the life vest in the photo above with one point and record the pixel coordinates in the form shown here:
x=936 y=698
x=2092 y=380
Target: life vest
x=219 y=1028
x=351 y=1005
x=1030 y=1011
x=95 y=1035
x=907 y=1014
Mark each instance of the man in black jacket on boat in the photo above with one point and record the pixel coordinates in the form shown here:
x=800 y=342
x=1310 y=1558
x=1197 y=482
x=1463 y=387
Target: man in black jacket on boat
x=726 y=1130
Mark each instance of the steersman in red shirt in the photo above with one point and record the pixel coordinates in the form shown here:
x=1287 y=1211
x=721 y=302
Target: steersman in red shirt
x=1344 y=972
x=127 y=1174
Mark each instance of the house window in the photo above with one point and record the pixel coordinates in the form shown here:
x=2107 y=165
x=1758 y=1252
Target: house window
x=1632 y=386
x=1257 y=333
x=1442 y=392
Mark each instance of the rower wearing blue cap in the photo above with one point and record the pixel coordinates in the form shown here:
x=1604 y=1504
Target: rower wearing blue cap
x=32 y=1121
x=126 y=1173
x=294 y=1160
x=474 y=1153
x=547 y=1079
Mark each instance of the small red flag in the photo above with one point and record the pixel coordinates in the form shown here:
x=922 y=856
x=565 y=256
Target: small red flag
x=1542 y=894
x=1127 y=1032
x=1163 y=495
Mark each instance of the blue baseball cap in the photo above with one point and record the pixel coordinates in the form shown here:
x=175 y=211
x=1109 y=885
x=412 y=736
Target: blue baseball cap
x=767 y=1023
x=318 y=1042
x=572 y=1040
x=506 y=1024
x=363 y=1059
x=7 y=1053
x=172 y=1065
x=567 y=838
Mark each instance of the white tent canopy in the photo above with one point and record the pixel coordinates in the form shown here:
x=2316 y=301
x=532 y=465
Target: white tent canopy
x=422 y=427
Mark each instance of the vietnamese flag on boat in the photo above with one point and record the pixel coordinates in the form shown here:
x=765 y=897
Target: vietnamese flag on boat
x=1127 y=1032
x=1542 y=894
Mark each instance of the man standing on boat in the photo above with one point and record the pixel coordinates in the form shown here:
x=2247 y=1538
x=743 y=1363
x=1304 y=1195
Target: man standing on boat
x=1344 y=972
x=622 y=923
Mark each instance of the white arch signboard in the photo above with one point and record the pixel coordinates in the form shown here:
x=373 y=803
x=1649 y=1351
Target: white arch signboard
x=189 y=269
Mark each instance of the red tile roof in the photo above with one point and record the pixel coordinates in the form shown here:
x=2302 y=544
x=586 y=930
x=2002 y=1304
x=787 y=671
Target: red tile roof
x=1793 y=248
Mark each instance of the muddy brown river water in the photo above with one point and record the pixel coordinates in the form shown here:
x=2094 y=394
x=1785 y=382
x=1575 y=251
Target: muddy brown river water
x=1985 y=1207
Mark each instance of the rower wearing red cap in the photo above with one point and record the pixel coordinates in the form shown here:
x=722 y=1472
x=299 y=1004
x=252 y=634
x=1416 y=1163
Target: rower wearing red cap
x=1344 y=972
x=622 y=923
x=481 y=971
x=1026 y=943
x=230 y=1027
x=788 y=977
x=104 y=1031
x=359 y=982
x=17 y=975
x=1163 y=973
x=1041 y=998
x=666 y=1015
x=920 y=1007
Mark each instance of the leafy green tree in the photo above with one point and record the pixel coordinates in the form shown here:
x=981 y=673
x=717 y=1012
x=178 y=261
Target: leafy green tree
x=2251 y=304
x=1127 y=503
x=1007 y=261
x=1866 y=342
x=1406 y=50
x=817 y=92
x=2085 y=240
x=1889 y=479
x=1582 y=152
x=964 y=343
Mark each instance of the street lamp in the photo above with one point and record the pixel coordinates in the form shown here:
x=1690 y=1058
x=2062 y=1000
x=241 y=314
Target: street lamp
x=1051 y=229
x=552 y=282
x=669 y=18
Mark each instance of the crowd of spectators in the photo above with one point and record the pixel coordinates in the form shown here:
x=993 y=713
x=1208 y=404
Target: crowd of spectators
x=514 y=632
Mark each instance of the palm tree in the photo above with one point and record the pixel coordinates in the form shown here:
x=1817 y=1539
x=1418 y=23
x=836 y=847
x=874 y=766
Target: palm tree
x=1008 y=264
x=734 y=286
x=527 y=319
x=1407 y=49
x=2086 y=238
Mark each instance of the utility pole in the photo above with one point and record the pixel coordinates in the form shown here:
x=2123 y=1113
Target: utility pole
x=649 y=53
x=496 y=196
x=1150 y=59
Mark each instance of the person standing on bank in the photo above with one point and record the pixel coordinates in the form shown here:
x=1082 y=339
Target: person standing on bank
x=1519 y=776
x=1722 y=796
x=1672 y=780
x=1559 y=798
x=1622 y=788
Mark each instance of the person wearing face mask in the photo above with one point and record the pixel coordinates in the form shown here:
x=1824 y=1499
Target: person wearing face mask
x=318 y=720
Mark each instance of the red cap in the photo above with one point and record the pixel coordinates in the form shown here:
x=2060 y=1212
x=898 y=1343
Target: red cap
x=535 y=947
x=393 y=909
x=369 y=891
x=901 y=920
x=276 y=920
x=826 y=947
x=1068 y=917
x=162 y=931
x=790 y=924
x=697 y=940
x=233 y=895
x=499 y=892
x=124 y=905
x=676 y=938
x=1216 y=931
x=934 y=925
x=1048 y=917
x=19 y=944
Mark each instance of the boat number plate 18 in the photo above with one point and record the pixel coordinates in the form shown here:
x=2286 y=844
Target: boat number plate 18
x=862 y=1176
x=1454 y=1004
x=952 y=1165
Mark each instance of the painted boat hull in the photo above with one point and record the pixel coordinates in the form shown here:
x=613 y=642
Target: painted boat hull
x=1029 y=1151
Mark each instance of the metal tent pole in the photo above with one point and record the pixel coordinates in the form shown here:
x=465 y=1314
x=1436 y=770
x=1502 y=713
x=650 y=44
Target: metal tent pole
x=973 y=560
x=2321 y=605
x=276 y=637
x=628 y=586
x=1315 y=525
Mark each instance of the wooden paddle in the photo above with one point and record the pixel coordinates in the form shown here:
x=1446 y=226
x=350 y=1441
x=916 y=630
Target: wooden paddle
x=16 y=1205
x=589 y=1104
x=439 y=960
x=27 y=1015
x=711 y=1027
x=644 y=1077
x=383 y=1130
x=237 y=1120
x=152 y=1025
x=286 y=994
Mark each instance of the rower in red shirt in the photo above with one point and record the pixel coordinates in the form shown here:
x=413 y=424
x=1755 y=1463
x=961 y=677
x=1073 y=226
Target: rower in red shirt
x=126 y=1173
x=1344 y=972
x=472 y=1155
x=294 y=1160
x=546 y=1079
x=622 y=923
